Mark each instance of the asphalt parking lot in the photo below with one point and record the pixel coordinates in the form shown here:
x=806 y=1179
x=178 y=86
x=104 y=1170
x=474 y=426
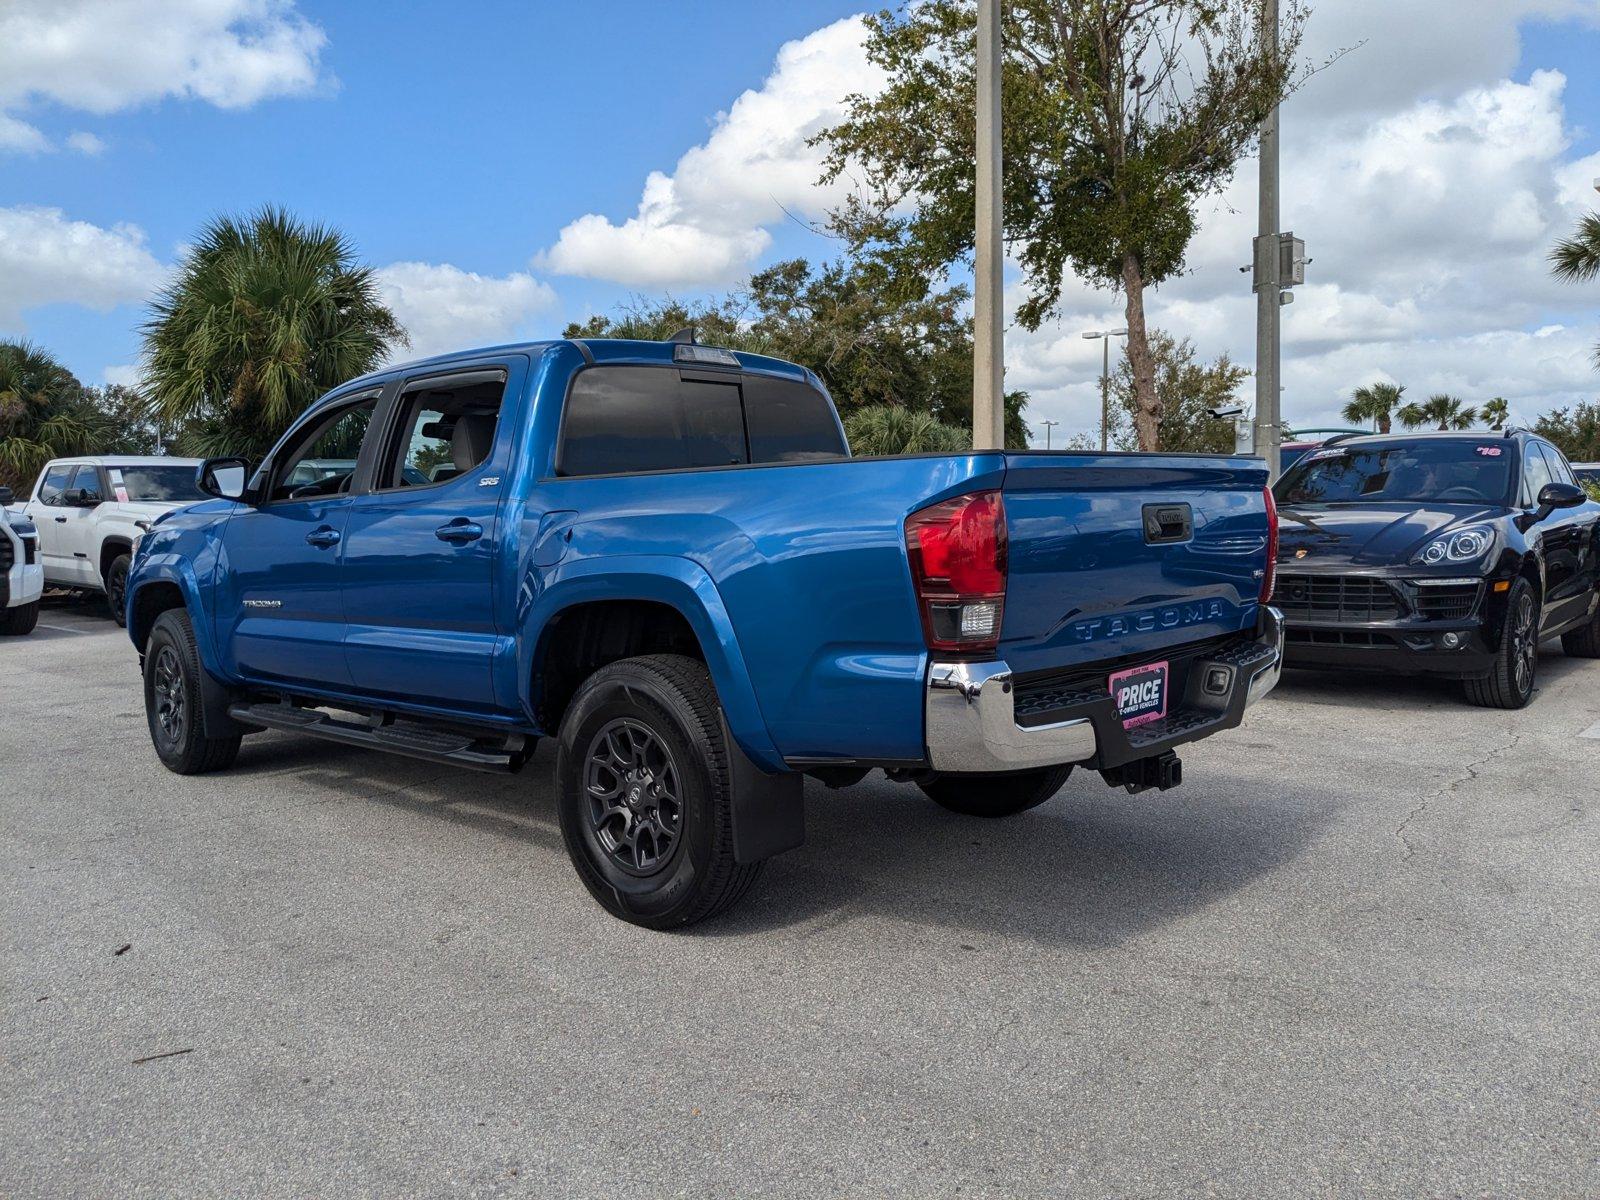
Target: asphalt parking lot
x=1356 y=954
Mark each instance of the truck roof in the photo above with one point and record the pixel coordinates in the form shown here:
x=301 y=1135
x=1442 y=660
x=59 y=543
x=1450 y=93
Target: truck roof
x=618 y=351
x=126 y=460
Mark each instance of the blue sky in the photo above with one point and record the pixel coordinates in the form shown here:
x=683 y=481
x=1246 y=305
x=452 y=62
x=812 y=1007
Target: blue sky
x=498 y=153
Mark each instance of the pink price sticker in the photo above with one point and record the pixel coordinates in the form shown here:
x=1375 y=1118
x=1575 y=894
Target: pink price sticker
x=1489 y=451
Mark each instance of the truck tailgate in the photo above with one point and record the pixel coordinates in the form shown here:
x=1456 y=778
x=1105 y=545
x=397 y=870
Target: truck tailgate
x=1088 y=582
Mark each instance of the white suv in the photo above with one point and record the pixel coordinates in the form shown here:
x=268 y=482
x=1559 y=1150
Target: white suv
x=90 y=513
x=21 y=576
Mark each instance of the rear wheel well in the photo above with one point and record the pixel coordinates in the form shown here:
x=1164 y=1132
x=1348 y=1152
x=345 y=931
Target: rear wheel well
x=110 y=550
x=582 y=639
x=150 y=602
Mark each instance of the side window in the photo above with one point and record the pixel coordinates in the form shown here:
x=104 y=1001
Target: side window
x=1560 y=471
x=54 y=484
x=447 y=428
x=789 y=422
x=627 y=419
x=1535 y=473
x=87 y=479
x=322 y=459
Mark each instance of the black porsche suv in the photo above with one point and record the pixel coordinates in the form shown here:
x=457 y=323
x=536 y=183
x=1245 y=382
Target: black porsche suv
x=1451 y=554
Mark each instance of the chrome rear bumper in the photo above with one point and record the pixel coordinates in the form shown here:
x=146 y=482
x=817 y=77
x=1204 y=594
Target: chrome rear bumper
x=971 y=719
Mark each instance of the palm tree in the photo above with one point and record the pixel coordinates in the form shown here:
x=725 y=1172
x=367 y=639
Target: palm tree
x=1577 y=259
x=265 y=315
x=1447 y=411
x=891 y=429
x=1495 y=413
x=42 y=413
x=1376 y=403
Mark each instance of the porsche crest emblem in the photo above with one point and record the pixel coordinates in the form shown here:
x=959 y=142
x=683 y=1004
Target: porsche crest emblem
x=1302 y=552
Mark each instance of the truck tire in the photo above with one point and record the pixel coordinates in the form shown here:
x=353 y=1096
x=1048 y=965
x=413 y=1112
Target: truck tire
x=644 y=793
x=1584 y=641
x=18 y=620
x=117 y=588
x=173 y=704
x=1000 y=795
x=1510 y=684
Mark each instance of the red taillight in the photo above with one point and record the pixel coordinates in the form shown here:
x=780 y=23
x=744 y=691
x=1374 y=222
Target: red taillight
x=1270 y=579
x=958 y=566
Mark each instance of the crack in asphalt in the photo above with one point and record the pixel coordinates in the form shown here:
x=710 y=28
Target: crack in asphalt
x=1470 y=774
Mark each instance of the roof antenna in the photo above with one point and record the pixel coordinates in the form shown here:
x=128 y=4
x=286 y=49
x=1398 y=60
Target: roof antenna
x=684 y=336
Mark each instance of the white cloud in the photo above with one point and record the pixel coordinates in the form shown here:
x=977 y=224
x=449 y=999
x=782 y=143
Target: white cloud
x=101 y=56
x=20 y=137
x=123 y=375
x=86 y=143
x=704 y=223
x=445 y=308
x=46 y=258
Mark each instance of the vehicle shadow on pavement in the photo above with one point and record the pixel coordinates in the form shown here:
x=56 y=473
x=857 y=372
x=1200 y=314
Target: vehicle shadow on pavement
x=1363 y=689
x=1092 y=866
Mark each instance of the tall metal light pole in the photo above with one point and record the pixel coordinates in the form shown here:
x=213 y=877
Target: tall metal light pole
x=988 y=360
x=1105 y=379
x=1267 y=282
x=1049 y=427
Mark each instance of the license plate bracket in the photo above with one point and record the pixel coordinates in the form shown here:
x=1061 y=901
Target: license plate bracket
x=1140 y=693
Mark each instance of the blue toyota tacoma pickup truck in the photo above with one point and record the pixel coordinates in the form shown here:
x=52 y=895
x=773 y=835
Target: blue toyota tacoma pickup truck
x=663 y=555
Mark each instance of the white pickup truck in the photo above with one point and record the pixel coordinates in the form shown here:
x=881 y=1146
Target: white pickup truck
x=21 y=579
x=91 y=511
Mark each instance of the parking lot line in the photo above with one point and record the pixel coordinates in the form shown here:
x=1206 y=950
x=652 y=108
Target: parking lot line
x=1592 y=732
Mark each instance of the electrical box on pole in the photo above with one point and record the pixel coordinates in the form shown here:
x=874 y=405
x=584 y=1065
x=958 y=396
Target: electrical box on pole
x=1291 y=261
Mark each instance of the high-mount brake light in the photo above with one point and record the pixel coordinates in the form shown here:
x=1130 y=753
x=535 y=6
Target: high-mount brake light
x=957 y=550
x=1270 y=579
x=706 y=356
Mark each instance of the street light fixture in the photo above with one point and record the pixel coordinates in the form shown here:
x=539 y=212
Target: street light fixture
x=1048 y=426
x=1105 y=336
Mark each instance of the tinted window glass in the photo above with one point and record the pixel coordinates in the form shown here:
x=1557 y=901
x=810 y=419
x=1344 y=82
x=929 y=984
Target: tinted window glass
x=54 y=483
x=1535 y=473
x=789 y=422
x=1448 y=471
x=1559 y=470
x=86 y=479
x=444 y=430
x=625 y=419
x=323 y=457
x=154 y=485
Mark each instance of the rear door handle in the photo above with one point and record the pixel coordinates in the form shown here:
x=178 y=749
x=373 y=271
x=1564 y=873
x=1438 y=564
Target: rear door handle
x=61 y=520
x=460 y=531
x=323 y=538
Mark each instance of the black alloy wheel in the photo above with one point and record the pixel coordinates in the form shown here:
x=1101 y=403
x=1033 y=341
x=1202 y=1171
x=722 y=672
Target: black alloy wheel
x=117 y=589
x=171 y=706
x=634 y=803
x=1511 y=682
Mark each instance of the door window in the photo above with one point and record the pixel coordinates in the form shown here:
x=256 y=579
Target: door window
x=1535 y=474
x=625 y=419
x=54 y=484
x=321 y=460
x=87 y=480
x=446 y=428
x=1559 y=470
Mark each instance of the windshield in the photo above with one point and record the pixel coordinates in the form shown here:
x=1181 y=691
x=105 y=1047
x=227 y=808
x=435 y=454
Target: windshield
x=1447 y=471
x=154 y=485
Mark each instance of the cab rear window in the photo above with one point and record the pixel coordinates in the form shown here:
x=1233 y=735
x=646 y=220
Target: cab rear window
x=624 y=420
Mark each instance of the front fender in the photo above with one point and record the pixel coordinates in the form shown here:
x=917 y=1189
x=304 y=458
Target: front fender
x=177 y=569
x=676 y=582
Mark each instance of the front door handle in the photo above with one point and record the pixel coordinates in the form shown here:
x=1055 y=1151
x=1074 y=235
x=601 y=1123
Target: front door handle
x=323 y=538
x=61 y=520
x=460 y=531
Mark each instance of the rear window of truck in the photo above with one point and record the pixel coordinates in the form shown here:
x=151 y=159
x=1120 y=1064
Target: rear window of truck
x=623 y=420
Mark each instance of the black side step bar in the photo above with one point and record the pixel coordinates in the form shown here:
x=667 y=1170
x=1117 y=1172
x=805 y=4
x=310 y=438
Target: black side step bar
x=476 y=752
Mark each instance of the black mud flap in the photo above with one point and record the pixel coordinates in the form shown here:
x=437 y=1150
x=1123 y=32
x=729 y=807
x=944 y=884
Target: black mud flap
x=769 y=811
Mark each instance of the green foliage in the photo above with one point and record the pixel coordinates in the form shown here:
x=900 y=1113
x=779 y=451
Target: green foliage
x=1592 y=487
x=1441 y=411
x=1575 y=431
x=890 y=429
x=1495 y=413
x=43 y=414
x=871 y=341
x=1187 y=389
x=266 y=314
x=1119 y=118
x=123 y=424
x=1375 y=402
x=1577 y=259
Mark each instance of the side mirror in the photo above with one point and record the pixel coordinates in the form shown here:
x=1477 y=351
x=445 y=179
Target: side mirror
x=82 y=498
x=224 y=478
x=1558 y=495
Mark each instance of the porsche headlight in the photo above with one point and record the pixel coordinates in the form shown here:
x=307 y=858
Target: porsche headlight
x=1460 y=546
